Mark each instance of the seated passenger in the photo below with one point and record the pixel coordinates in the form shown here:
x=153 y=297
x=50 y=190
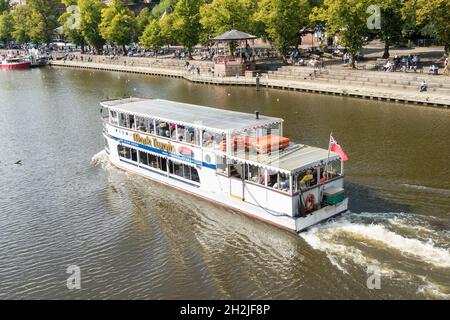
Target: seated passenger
x=306 y=180
x=141 y=127
x=324 y=177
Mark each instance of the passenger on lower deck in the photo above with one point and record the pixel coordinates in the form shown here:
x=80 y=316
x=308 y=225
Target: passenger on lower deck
x=307 y=179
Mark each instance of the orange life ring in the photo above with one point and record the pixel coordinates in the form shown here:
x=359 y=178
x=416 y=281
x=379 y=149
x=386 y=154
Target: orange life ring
x=309 y=202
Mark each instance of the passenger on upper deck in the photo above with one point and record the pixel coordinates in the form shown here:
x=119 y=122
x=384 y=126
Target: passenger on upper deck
x=141 y=127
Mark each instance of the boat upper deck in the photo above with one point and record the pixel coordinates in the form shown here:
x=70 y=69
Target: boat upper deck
x=291 y=159
x=188 y=114
x=295 y=158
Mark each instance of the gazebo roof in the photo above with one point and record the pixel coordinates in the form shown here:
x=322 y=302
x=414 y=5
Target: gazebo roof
x=234 y=35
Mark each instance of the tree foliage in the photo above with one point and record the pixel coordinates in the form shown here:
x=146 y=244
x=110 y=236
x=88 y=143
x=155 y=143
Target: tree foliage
x=20 y=17
x=118 y=24
x=163 y=8
x=153 y=38
x=186 y=23
x=4 y=5
x=71 y=28
x=282 y=21
x=142 y=21
x=42 y=20
x=433 y=16
x=346 y=18
x=90 y=11
x=220 y=16
x=6 y=27
x=391 y=23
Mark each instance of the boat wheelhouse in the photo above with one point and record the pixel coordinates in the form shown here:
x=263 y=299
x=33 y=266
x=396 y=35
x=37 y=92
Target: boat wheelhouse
x=236 y=159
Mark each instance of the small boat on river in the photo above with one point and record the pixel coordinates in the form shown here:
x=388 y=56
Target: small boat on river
x=15 y=63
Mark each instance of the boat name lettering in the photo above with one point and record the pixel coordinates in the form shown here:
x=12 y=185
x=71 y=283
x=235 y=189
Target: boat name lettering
x=153 y=142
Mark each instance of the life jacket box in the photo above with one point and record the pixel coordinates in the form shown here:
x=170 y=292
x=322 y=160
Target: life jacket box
x=270 y=143
x=333 y=195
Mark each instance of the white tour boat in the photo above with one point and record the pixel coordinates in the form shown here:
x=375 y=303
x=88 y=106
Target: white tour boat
x=235 y=159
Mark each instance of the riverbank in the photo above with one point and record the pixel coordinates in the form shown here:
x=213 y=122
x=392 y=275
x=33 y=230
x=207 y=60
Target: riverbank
x=403 y=93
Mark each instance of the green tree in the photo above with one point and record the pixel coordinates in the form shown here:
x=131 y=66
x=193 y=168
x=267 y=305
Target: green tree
x=142 y=21
x=118 y=24
x=391 y=23
x=71 y=23
x=186 y=23
x=4 y=5
x=20 y=17
x=220 y=16
x=167 y=32
x=152 y=38
x=348 y=19
x=90 y=11
x=435 y=16
x=283 y=21
x=6 y=27
x=163 y=8
x=42 y=21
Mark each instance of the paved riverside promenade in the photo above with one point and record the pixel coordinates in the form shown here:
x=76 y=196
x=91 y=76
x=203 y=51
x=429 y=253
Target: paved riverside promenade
x=374 y=85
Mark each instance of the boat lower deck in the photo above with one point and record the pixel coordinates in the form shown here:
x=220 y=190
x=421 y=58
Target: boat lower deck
x=285 y=222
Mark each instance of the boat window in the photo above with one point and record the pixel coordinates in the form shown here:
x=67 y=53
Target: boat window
x=240 y=142
x=123 y=120
x=132 y=122
x=127 y=153
x=142 y=124
x=282 y=182
x=194 y=174
x=305 y=179
x=184 y=171
x=133 y=154
x=334 y=169
x=236 y=169
x=151 y=126
x=197 y=137
x=162 y=129
x=152 y=160
x=143 y=158
x=172 y=131
x=208 y=139
x=221 y=164
x=220 y=142
x=113 y=117
x=185 y=134
x=254 y=174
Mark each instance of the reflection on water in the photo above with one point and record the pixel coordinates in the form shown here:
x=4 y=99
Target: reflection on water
x=134 y=238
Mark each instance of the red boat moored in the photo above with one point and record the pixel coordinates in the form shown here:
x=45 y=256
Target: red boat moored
x=15 y=63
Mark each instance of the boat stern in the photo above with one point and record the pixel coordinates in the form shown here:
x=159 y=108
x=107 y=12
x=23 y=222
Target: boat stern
x=325 y=213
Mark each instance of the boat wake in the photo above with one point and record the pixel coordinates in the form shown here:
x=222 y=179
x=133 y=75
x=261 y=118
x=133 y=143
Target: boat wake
x=403 y=246
x=101 y=158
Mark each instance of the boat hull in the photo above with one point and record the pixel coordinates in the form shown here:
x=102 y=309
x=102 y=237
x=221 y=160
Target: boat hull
x=12 y=66
x=288 y=223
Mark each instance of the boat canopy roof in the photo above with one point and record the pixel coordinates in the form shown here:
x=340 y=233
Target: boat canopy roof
x=213 y=119
x=294 y=159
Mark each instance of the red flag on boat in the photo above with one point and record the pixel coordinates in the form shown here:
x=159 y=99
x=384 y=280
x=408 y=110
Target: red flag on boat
x=335 y=147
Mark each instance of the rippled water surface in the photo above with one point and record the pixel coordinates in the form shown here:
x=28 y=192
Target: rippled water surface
x=133 y=238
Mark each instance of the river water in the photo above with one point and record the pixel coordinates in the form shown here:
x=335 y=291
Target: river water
x=133 y=238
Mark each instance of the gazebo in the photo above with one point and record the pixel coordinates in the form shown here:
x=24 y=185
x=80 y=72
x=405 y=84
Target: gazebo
x=227 y=64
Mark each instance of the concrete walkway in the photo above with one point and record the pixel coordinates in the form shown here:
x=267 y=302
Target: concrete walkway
x=307 y=85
